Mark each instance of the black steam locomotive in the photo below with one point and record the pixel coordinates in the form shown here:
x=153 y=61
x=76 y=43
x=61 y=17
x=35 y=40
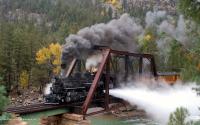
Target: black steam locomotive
x=73 y=88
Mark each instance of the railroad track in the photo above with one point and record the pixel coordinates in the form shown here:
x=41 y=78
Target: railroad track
x=38 y=108
x=44 y=107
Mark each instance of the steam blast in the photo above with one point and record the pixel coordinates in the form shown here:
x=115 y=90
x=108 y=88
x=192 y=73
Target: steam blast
x=159 y=102
x=47 y=89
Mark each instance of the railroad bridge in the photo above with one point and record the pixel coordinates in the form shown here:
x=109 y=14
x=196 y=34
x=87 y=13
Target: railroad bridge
x=133 y=63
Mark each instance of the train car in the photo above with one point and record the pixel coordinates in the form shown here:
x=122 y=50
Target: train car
x=169 y=77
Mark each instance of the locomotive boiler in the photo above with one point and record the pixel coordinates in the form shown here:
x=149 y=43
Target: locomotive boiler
x=71 y=89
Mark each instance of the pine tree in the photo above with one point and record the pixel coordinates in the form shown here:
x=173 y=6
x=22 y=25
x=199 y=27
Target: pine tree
x=190 y=8
x=179 y=117
x=3 y=103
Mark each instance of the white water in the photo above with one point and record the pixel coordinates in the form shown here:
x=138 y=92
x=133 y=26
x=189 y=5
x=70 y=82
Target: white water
x=159 y=102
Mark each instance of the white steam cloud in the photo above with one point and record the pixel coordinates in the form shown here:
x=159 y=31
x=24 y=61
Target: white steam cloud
x=47 y=89
x=93 y=61
x=155 y=17
x=159 y=102
x=178 y=33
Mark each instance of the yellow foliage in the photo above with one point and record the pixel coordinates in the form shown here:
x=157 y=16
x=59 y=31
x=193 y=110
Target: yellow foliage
x=144 y=40
x=55 y=49
x=115 y=3
x=56 y=61
x=148 y=37
x=43 y=55
x=23 y=79
x=50 y=55
x=56 y=70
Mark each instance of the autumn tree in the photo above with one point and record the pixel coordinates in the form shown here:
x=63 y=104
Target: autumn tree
x=50 y=56
x=24 y=79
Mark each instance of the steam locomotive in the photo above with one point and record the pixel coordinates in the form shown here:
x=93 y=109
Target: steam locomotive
x=73 y=88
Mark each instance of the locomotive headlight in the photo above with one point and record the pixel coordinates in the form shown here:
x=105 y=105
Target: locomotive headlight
x=94 y=69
